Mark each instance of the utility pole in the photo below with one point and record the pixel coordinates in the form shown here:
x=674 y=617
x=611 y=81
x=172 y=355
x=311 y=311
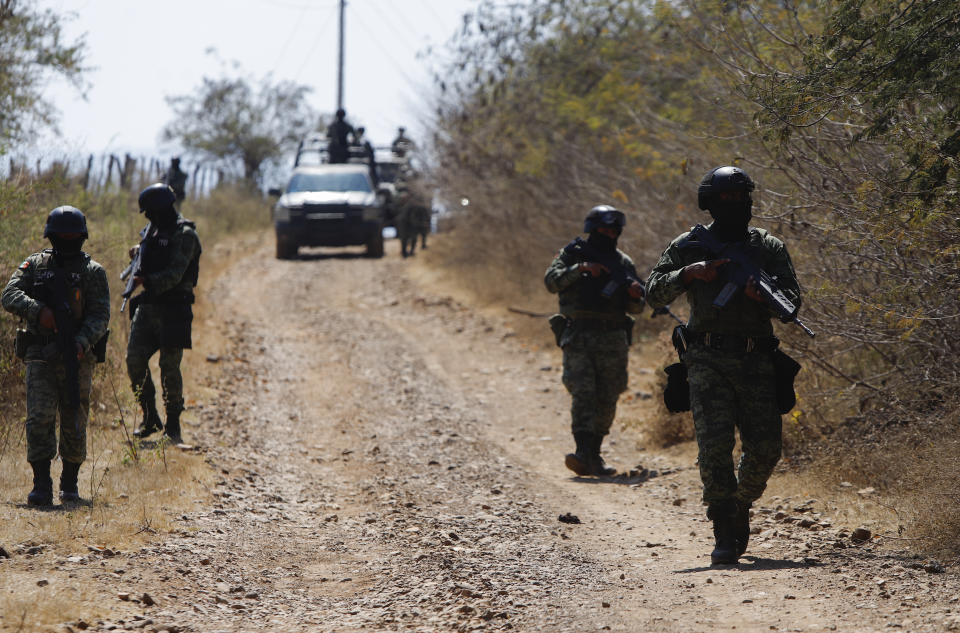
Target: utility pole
x=343 y=6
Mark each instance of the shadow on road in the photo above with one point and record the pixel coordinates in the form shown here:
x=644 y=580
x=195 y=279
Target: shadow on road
x=751 y=563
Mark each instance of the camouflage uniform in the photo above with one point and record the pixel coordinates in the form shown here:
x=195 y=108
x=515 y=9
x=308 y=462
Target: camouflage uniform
x=730 y=387
x=25 y=296
x=162 y=314
x=594 y=343
x=421 y=221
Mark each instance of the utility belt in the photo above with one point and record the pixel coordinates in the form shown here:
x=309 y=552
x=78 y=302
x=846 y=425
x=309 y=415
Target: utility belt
x=731 y=342
x=594 y=322
x=167 y=299
x=26 y=339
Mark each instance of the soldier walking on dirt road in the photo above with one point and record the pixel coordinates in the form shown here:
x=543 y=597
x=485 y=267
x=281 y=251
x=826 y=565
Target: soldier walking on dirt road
x=592 y=278
x=62 y=297
x=169 y=254
x=729 y=355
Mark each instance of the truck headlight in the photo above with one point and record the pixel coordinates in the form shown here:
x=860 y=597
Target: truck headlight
x=281 y=214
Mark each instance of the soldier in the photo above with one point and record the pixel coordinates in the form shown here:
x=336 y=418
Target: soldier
x=405 y=220
x=177 y=179
x=594 y=331
x=61 y=295
x=729 y=356
x=421 y=221
x=338 y=135
x=161 y=315
x=366 y=149
x=402 y=144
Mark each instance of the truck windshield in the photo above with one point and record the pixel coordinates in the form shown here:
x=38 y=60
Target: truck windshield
x=352 y=181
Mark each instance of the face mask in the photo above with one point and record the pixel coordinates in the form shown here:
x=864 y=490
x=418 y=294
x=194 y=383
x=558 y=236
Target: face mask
x=730 y=220
x=602 y=242
x=163 y=218
x=64 y=248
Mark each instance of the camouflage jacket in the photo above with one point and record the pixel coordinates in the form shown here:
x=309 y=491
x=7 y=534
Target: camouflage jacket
x=580 y=294
x=171 y=261
x=87 y=284
x=742 y=316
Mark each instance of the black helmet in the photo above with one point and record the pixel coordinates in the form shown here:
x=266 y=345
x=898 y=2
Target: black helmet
x=604 y=215
x=65 y=219
x=722 y=180
x=156 y=197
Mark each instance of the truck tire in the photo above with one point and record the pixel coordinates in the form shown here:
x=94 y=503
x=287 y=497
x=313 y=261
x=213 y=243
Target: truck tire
x=375 y=243
x=286 y=249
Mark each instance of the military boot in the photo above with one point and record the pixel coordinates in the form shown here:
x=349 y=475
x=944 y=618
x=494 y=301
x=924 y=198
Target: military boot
x=598 y=467
x=741 y=523
x=724 y=534
x=42 y=493
x=69 y=492
x=151 y=422
x=579 y=461
x=172 y=430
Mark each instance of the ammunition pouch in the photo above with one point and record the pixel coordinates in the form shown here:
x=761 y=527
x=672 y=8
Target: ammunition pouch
x=785 y=371
x=558 y=325
x=99 y=349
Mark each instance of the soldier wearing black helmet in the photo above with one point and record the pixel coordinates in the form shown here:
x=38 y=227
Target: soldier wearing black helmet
x=729 y=355
x=162 y=316
x=594 y=330
x=62 y=299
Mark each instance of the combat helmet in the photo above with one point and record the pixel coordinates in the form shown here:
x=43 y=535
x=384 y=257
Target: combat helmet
x=156 y=197
x=604 y=215
x=719 y=180
x=65 y=219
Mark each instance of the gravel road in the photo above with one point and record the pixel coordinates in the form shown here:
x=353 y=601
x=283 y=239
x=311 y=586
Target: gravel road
x=390 y=459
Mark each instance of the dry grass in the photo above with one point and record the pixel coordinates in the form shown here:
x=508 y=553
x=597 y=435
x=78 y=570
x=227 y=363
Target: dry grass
x=133 y=491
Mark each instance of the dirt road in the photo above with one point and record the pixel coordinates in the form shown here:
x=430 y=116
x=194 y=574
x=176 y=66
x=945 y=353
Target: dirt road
x=391 y=460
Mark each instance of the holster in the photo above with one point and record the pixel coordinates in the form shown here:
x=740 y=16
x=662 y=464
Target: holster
x=21 y=342
x=676 y=394
x=785 y=372
x=558 y=325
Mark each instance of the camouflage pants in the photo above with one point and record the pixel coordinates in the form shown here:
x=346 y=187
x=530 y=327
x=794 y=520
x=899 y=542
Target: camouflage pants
x=595 y=374
x=46 y=394
x=145 y=336
x=734 y=390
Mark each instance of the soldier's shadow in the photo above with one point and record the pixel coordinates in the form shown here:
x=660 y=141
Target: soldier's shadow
x=58 y=508
x=631 y=478
x=751 y=563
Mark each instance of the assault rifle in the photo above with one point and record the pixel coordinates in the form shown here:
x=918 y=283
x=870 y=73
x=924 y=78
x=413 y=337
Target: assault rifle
x=619 y=274
x=133 y=269
x=738 y=272
x=66 y=342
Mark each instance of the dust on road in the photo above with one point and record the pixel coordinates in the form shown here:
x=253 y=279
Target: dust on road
x=390 y=459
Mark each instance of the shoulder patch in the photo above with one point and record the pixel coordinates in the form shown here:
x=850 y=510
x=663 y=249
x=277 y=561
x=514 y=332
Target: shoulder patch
x=25 y=265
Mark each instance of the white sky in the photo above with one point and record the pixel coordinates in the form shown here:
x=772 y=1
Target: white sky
x=144 y=50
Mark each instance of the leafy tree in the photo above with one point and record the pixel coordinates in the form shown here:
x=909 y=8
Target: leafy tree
x=32 y=48
x=241 y=122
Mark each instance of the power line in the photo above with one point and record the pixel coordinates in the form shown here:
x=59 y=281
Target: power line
x=296 y=27
x=293 y=5
x=388 y=55
x=316 y=43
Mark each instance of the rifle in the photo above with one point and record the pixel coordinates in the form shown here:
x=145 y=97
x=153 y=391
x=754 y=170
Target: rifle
x=66 y=342
x=739 y=270
x=619 y=274
x=133 y=269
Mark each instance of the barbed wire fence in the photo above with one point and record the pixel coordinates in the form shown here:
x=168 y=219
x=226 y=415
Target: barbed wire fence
x=99 y=173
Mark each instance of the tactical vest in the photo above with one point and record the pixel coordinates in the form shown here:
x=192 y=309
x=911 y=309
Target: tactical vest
x=158 y=252
x=587 y=295
x=43 y=288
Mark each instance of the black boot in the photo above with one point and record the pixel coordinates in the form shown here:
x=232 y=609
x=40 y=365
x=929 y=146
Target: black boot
x=724 y=534
x=69 y=493
x=580 y=462
x=42 y=493
x=151 y=422
x=742 y=526
x=598 y=466
x=172 y=430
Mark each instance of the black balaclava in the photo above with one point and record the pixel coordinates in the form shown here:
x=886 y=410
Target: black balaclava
x=602 y=242
x=731 y=218
x=66 y=249
x=162 y=218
